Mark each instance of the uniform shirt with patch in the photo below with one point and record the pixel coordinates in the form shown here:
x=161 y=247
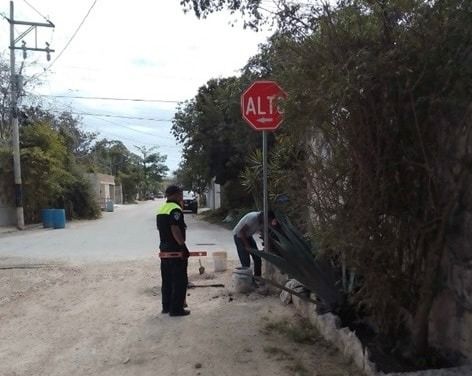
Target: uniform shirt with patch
x=164 y=221
x=176 y=216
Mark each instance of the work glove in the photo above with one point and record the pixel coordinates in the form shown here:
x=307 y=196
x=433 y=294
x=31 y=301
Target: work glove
x=184 y=249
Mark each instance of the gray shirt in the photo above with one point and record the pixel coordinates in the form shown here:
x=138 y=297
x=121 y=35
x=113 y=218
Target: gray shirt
x=251 y=220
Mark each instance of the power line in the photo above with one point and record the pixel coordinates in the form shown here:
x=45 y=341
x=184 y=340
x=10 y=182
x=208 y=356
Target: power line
x=37 y=11
x=116 y=116
x=134 y=130
x=111 y=98
x=69 y=41
x=134 y=140
x=121 y=116
x=127 y=126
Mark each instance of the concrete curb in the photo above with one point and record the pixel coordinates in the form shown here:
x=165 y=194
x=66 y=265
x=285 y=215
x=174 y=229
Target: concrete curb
x=346 y=341
x=4 y=230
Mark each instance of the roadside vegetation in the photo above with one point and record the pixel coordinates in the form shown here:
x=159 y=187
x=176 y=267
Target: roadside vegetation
x=370 y=172
x=294 y=334
x=372 y=163
x=56 y=154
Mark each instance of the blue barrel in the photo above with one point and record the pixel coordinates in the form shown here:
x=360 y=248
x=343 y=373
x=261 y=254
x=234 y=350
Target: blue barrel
x=59 y=218
x=109 y=206
x=46 y=218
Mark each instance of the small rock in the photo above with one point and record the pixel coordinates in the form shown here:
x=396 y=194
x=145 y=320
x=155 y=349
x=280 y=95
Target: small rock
x=126 y=361
x=230 y=299
x=198 y=365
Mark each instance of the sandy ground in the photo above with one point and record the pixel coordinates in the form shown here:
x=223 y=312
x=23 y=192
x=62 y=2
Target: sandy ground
x=105 y=319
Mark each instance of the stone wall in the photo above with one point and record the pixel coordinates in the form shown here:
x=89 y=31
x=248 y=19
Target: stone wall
x=346 y=341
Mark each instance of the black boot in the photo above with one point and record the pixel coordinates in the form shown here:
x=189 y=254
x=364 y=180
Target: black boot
x=184 y=312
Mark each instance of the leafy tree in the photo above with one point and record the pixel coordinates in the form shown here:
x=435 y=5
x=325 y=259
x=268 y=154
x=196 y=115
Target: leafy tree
x=66 y=124
x=296 y=17
x=188 y=177
x=379 y=108
x=215 y=139
x=137 y=174
x=153 y=170
x=5 y=129
x=384 y=100
x=109 y=157
x=50 y=176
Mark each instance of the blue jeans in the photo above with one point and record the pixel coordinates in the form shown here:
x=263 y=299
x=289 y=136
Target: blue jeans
x=244 y=255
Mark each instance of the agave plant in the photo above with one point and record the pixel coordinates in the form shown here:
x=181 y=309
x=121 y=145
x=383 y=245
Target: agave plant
x=301 y=259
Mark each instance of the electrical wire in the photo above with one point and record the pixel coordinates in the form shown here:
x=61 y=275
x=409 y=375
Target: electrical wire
x=117 y=116
x=134 y=140
x=99 y=116
x=135 y=130
x=110 y=98
x=68 y=42
x=37 y=11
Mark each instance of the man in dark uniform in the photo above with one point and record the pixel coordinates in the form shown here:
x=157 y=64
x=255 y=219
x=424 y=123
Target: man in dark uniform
x=174 y=253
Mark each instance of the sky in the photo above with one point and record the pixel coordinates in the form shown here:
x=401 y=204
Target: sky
x=142 y=49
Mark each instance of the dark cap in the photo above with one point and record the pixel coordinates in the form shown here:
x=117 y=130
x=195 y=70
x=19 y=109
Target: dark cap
x=173 y=189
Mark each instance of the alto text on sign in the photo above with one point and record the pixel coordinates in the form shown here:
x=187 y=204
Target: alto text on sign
x=260 y=105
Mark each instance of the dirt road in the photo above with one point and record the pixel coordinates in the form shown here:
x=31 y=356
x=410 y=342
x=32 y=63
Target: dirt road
x=128 y=233
x=104 y=320
x=85 y=301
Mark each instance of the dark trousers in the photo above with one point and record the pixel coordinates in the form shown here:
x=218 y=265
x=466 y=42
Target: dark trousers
x=174 y=284
x=244 y=255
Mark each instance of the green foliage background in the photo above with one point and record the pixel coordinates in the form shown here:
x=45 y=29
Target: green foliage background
x=374 y=153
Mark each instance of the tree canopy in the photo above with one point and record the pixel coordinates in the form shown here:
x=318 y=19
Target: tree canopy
x=214 y=137
x=375 y=127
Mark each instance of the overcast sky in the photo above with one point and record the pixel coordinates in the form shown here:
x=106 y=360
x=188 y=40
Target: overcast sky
x=129 y=49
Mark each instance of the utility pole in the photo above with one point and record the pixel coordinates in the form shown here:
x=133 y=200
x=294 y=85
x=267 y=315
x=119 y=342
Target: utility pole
x=15 y=88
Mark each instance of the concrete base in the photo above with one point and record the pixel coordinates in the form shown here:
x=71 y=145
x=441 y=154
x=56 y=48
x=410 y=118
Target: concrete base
x=7 y=215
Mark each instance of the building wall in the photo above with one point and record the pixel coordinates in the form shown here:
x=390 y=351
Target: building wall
x=103 y=186
x=214 y=195
x=118 y=195
x=7 y=205
x=7 y=214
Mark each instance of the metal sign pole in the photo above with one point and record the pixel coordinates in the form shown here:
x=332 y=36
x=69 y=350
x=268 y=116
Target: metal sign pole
x=259 y=108
x=264 y=185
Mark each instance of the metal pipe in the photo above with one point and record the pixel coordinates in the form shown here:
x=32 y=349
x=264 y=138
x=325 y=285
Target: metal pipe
x=265 y=189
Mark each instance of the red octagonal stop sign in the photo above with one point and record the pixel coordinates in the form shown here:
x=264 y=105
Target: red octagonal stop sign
x=260 y=105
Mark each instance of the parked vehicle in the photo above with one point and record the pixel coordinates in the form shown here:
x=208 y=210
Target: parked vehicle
x=190 y=201
x=149 y=196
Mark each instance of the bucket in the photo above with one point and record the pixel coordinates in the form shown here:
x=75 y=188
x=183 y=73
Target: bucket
x=46 y=218
x=242 y=280
x=219 y=261
x=59 y=218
